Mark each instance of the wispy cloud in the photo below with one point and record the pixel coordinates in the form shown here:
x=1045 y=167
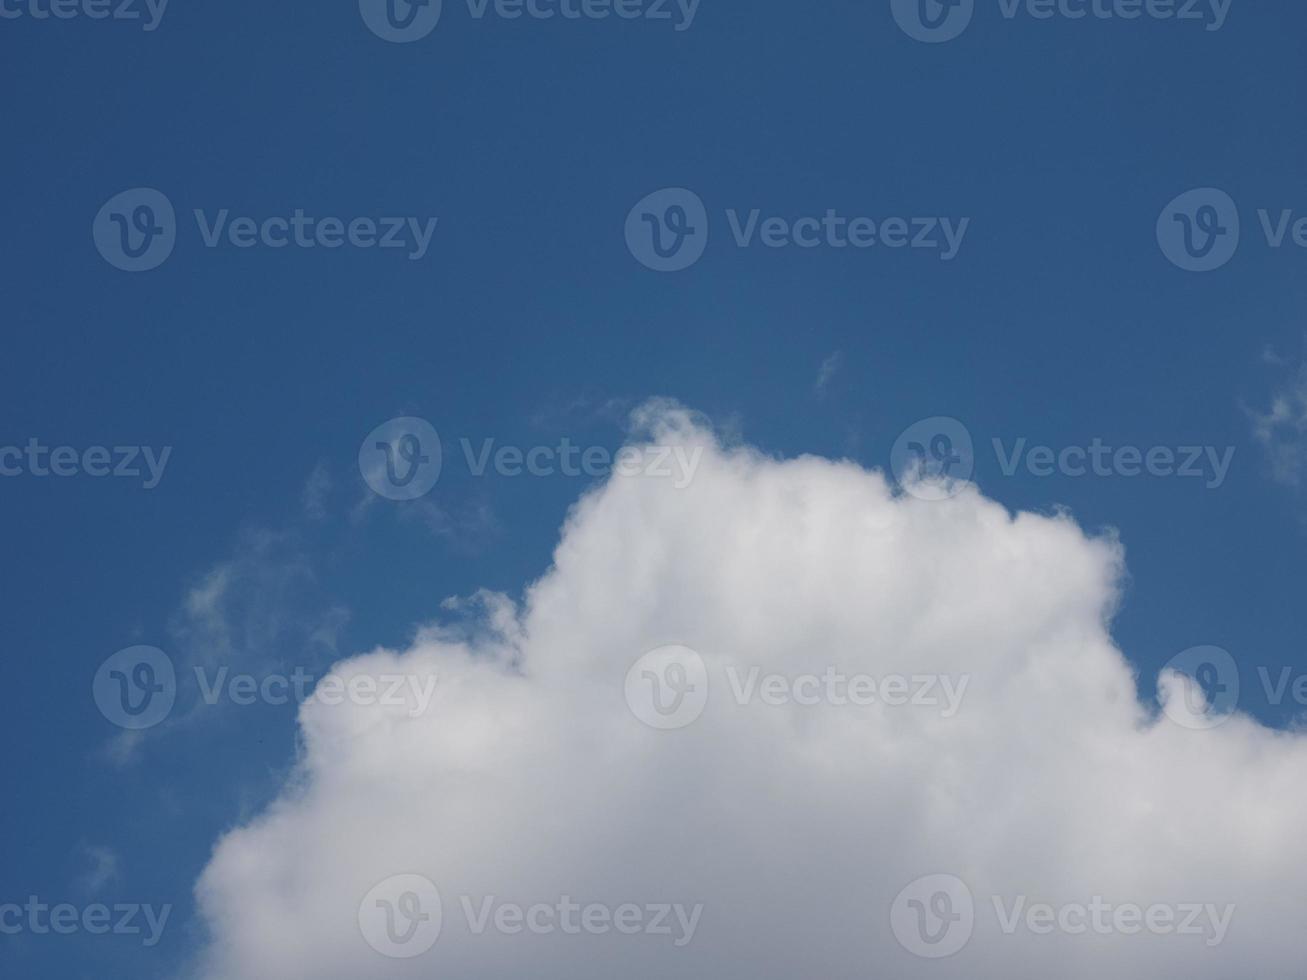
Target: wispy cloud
x=826 y=373
x=259 y=605
x=1281 y=429
x=316 y=491
x=259 y=611
x=123 y=749
x=561 y=413
x=103 y=867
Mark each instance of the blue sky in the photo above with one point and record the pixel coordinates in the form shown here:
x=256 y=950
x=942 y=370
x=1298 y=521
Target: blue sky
x=528 y=320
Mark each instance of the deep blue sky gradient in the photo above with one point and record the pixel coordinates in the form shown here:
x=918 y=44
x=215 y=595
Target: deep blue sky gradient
x=1060 y=321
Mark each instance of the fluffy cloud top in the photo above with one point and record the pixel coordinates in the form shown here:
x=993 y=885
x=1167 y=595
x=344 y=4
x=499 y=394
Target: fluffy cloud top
x=791 y=827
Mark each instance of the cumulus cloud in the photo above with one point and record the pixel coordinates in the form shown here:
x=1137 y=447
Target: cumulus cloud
x=786 y=827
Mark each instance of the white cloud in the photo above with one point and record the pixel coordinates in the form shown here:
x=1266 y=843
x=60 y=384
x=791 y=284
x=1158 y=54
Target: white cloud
x=260 y=606
x=123 y=749
x=256 y=613
x=1281 y=431
x=313 y=498
x=530 y=779
x=102 y=868
x=463 y=524
x=830 y=366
